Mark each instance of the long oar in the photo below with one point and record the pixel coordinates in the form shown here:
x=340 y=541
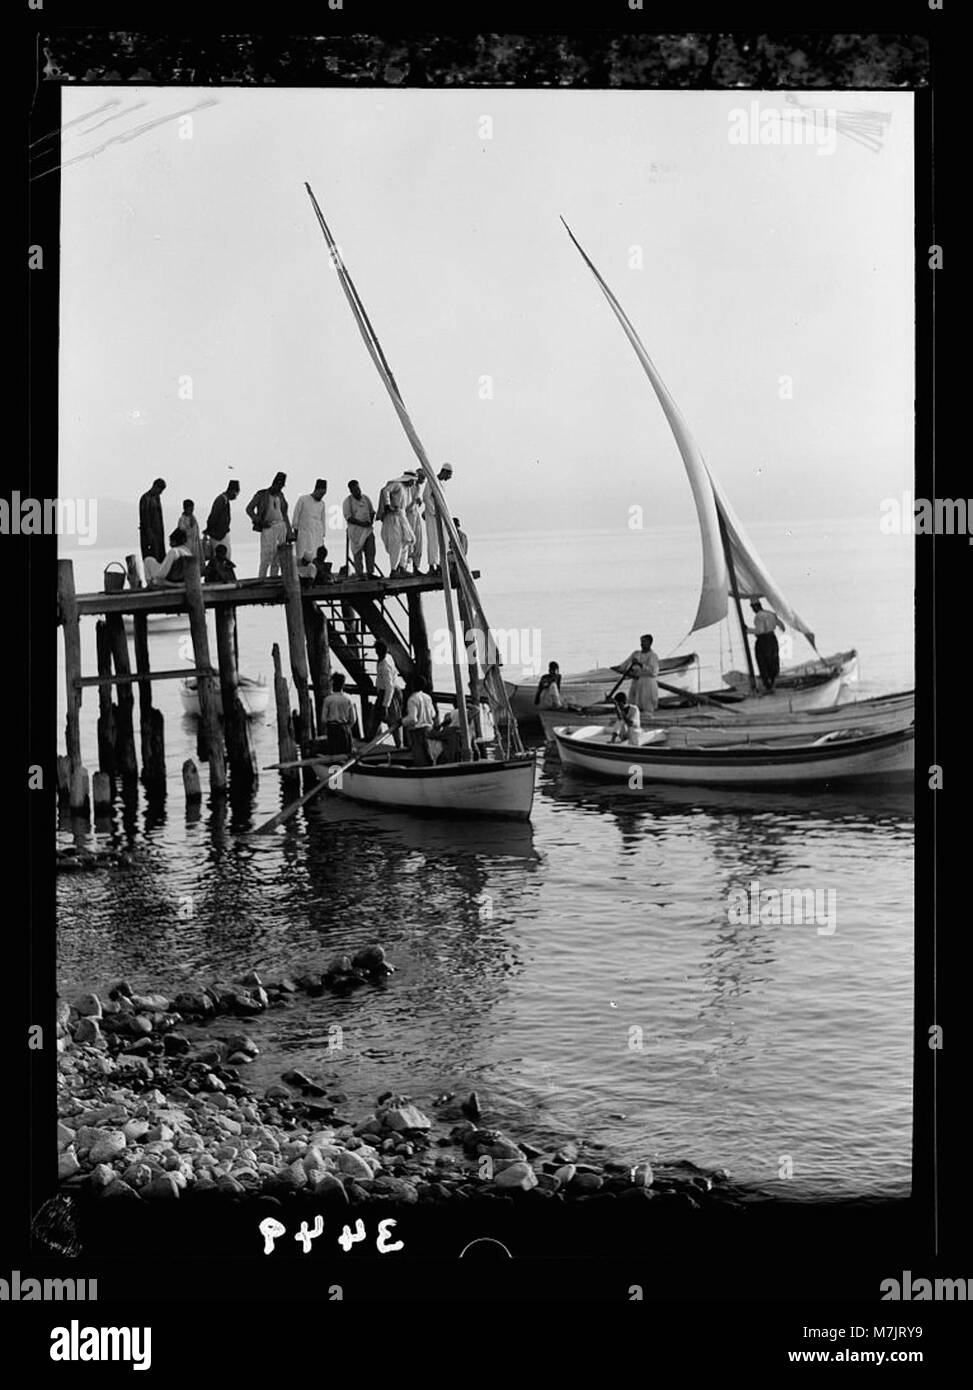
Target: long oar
x=288 y=811
x=700 y=699
x=624 y=676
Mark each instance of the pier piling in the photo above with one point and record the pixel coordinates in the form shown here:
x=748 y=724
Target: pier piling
x=418 y=637
x=236 y=725
x=286 y=747
x=190 y=782
x=209 y=719
x=63 y=773
x=101 y=793
x=107 y=732
x=126 y=763
x=68 y=608
x=296 y=642
x=151 y=720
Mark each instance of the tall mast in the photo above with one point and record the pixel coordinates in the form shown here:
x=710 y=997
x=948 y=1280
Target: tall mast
x=731 y=567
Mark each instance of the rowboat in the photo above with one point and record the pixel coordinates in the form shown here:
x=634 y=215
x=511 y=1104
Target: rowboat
x=254 y=697
x=160 y=622
x=503 y=789
x=588 y=687
x=840 y=755
x=752 y=720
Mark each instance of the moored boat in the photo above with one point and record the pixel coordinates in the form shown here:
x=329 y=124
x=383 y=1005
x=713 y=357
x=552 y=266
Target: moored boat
x=588 y=687
x=840 y=755
x=160 y=622
x=254 y=697
x=753 y=719
x=502 y=788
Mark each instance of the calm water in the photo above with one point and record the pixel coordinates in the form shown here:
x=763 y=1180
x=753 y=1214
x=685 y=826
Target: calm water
x=526 y=956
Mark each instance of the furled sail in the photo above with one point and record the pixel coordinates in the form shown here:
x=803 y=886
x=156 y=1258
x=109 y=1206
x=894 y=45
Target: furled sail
x=506 y=725
x=712 y=506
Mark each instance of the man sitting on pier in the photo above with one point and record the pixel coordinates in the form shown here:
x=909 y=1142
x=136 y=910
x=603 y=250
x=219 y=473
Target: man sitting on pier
x=221 y=569
x=267 y=509
x=152 y=533
x=170 y=574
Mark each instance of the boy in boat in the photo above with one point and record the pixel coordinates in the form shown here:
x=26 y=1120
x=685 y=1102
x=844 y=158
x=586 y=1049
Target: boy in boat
x=548 y=694
x=221 y=569
x=627 y=724
x=766 y=650
x=420 y=717
x=338 y=716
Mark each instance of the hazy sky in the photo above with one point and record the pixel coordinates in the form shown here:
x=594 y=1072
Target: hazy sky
x=201 y=258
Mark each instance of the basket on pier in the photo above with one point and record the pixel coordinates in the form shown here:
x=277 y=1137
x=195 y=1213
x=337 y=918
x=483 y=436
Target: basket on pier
x=115 y=578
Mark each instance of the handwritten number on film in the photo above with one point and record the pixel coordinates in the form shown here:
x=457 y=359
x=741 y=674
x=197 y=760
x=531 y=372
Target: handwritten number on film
x=271 y=1229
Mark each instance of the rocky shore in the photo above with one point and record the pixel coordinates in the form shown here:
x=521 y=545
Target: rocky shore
x=154 y=1105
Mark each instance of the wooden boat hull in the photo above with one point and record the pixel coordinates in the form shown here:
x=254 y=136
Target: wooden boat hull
x=866 y=758
x=160 y=622
x=484 y=788
x=747 y=722
x=254 y=697
x=795 y=678
x=588 y=687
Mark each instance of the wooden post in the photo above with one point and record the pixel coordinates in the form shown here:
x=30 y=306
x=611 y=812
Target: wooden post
x=151 y=720
x=190 y=782
x=101 y=793
x=236 y=725
x=286 y=747
x=63 y=780
x=80 y=793
x=464 y=723
x=318 y=657
x=209 y=718
x=68 y=607
x=296 y=640
x=126 y=764
x=107 y=732
x=418 y=637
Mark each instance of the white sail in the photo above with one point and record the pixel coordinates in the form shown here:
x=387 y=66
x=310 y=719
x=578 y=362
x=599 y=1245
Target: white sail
x=753 y=580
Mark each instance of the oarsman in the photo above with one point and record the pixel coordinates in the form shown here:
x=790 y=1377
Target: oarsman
x=217 y=529
x=413 y=512
x=359 y=517
x=152 y=533
x=643 y=667
x=627 y=723
x=388 y=687
x=766 y=650
x=420 y=717
x=397 y=534
x=432 y=530
x=170 y=574
x=338 y=716
x=188 y=523
x=309 y=520
x=548 y=694
x=267 y=509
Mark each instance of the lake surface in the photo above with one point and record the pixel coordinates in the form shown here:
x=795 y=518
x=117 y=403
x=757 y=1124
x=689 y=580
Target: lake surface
x=529 y=957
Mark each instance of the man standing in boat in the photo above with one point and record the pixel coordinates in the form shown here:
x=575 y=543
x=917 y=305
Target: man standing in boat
x=152 y=533
x=267 y=509
x=420 y=718
x=432 y=530
x=766 y=650
x=548 y=694
x=643 y=667
x=359 y=517
x=388 y=702
x=218 y=522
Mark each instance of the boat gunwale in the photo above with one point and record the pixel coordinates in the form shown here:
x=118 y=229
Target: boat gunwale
x=742 y=755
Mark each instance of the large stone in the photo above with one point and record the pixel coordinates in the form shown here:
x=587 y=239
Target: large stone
x=150 y=1003
x=585 y=1183
x=565 y=1174
x=193 y=1003
x=100 y=1176
x=67 y=1164
x=89 y=1031
x=88 y=1006
x=642 y=1175
x=330 y=1189
x=242 y=1042
x=402 y=1117
x=353 y=1166
x=108 y=1147
x=162 y=1188
x=65 y=1136
x=395 y=1190
x=517 y=1175
x=504 y=1148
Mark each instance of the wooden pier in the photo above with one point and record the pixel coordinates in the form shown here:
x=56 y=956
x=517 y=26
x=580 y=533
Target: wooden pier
x=324 y=624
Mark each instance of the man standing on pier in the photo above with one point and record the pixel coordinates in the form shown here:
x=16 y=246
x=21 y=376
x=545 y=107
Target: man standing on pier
x=359 y=517
x=152 y=533
x=309 y=520
x=218 y=522
x=432 y=530
x=267 y=509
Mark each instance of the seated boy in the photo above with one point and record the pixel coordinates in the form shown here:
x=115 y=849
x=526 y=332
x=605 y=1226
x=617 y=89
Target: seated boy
x=221 y=569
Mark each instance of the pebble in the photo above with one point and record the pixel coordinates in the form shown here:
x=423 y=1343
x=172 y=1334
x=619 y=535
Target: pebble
x=355 y=1167
x=520 y=1175
x=88 y=1031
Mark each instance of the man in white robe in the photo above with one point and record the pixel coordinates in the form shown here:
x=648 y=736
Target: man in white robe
x=309 y=520
x=432 y=530
x=397 y=534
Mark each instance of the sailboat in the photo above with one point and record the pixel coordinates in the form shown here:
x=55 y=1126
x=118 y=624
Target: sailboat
x=732 y=569
x=500 y=781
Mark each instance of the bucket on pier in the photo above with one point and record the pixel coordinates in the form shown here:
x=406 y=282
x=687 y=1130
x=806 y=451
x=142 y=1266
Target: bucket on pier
x=115 y=579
